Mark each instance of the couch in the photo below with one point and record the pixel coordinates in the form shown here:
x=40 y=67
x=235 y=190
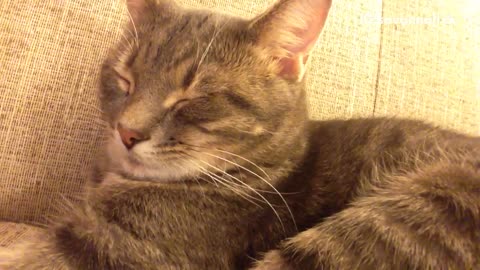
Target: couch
x=419 y=61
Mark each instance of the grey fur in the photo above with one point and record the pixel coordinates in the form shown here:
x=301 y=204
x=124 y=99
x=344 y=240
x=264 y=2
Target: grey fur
x=281 y=192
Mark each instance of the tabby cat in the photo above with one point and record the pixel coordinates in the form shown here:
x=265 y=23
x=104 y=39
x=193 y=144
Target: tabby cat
x=212 y=163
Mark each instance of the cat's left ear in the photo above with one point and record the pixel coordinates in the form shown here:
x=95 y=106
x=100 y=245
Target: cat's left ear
x=289 y=30
x=139 y=9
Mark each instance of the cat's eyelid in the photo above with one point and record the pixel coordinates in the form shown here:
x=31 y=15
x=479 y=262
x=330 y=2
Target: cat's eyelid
x=124 y=84
x=125 y=80
x=180 y=103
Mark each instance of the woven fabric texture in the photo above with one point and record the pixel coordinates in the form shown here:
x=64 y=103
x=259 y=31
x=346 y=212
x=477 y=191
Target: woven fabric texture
x=51 y=50
x=11 y=233
x=431 y=71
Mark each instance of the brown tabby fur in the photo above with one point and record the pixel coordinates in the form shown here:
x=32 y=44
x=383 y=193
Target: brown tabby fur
x=226 y=132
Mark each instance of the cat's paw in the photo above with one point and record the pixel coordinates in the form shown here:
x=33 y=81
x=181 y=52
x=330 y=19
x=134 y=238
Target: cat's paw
x=272 y=260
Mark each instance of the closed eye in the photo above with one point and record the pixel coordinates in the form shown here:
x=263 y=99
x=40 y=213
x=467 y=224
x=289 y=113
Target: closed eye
x=180 y=104
x=125 y=85
x=124 y=80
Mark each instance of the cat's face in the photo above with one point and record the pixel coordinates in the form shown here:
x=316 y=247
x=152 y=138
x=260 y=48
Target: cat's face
x=190 y=93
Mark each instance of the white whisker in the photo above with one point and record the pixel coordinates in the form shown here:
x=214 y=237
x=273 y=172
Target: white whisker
x=247 y=160
x=133 y=36
x=226 y=183
x=99 y=110
x=134 y=27
x=261 y=178
x=252 y=189
x=231 y=183
x=130 y=46
x=214 y=36
x=102 y=123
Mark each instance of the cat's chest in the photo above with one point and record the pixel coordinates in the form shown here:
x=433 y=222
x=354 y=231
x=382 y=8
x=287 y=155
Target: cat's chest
x=194 y=223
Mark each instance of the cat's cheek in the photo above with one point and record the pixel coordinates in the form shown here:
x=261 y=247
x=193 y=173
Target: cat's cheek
x=115 y=148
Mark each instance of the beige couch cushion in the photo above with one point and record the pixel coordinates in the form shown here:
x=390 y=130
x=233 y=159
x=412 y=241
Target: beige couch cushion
x=50 y=52
x=431 y=71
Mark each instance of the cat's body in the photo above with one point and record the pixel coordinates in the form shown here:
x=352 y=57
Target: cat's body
x=211 y=172
x=392 y=177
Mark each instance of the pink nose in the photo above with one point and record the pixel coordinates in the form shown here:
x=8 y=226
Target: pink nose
x=130 y=137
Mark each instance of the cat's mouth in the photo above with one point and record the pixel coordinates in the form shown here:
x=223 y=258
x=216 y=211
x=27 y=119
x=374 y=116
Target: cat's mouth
x=147 y=163
x=166 y=169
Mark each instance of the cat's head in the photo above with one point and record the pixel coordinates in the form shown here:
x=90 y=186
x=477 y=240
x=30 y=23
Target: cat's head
x=191 y=92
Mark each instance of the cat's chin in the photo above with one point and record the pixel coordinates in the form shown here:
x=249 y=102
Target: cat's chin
x=166 y=172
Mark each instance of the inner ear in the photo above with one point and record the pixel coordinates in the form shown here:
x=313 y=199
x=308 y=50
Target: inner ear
x=294 y=67
x=289 y=30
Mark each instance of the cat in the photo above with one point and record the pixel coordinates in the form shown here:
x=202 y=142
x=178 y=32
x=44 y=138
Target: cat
x=212 y=163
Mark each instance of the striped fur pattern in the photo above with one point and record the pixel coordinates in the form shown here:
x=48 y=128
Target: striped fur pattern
x=234 y=176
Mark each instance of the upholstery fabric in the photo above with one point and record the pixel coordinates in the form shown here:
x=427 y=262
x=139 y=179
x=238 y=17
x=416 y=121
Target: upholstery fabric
x=431 y=71
x=51 y=50
x=11 y=233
